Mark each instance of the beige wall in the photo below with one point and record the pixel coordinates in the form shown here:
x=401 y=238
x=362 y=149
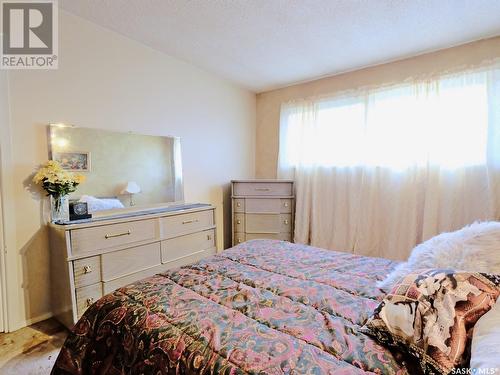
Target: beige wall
x=107 y=81
x=268 y=103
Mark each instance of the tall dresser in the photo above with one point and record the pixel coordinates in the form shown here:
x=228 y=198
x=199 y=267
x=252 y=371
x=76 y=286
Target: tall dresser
x=92 y=258
x=262 y=209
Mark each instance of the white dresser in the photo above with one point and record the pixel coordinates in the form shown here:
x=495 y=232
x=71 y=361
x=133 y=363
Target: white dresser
x=262 y=209
x=91 y=259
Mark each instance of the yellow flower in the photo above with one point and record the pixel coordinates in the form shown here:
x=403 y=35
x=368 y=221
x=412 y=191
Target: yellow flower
x=54 y=174
x=39 y=176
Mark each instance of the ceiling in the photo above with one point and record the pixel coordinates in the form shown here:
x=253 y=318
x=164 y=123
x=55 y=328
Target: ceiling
x=266 y=44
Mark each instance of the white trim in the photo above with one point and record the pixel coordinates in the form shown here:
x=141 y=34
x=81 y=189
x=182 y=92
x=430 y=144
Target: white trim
x=3 y=279
x=38 y=318
x=4 y=323
x=14 y=306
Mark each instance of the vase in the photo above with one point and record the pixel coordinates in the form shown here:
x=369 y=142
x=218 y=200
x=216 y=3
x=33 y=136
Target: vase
x=59 y=209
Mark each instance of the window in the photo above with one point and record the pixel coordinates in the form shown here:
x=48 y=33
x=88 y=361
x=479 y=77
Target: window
x=444 y=123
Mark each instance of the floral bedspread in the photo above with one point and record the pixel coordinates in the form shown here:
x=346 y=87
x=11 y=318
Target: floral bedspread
x=262 y=307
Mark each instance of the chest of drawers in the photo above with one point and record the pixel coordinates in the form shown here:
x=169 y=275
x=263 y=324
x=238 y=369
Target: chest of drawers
x=89 y=260
x=262 y=209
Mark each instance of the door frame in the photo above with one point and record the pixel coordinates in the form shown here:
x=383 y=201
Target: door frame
x=3 y=278
x=7 y=228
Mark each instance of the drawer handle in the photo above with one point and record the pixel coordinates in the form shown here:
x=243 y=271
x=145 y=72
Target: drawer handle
x=262 y=189
x=238 y=204
x=239 y=240
x=286 y=221
x=190 y=221
x=286 y=204
x=87 y=269
x=127 y=233
x=238 y=221
x=90 y=301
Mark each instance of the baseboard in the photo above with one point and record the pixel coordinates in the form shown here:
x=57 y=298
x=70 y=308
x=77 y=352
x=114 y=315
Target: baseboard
x=14 y=326
x=38 y=318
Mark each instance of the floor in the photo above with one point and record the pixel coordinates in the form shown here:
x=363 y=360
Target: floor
x=31 y=350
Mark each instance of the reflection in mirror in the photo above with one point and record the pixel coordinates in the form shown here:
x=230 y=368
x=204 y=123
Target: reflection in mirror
x=121 y=169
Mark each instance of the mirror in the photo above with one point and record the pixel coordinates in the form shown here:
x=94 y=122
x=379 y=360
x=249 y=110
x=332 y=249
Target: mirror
x=122 y=170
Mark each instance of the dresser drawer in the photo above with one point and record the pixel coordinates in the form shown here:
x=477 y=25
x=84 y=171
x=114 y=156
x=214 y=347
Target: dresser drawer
x=268 y=205
x=86 y=296
x=123 y=262
x=263 y=205
x=267 y=223
x=129 y=279
x=238 y=238
x=239 y=205
x=109 y=286
x=184 y=246
x=178 y=225
x=87 y=271
x=269 y=236
x=286 y=205
x=285 y=223
x=239 y=222
x=111 y=236
x=262 y=188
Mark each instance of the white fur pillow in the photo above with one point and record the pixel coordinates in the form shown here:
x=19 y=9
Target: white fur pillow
x=474 y=248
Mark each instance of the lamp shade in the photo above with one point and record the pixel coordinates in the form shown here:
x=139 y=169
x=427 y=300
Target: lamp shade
x=131 y=188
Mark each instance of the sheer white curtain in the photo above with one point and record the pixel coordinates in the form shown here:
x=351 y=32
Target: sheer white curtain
x=378 y=171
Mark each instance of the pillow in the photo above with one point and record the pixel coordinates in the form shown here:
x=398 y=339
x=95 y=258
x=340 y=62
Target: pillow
x=99 y=204
x=430 y=315
x=486 y=341
x=474 y=248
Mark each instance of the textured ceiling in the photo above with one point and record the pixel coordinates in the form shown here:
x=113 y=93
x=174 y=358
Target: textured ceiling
x=265 y=44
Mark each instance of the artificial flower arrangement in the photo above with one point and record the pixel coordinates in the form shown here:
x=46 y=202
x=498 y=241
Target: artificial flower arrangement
x=57 y=182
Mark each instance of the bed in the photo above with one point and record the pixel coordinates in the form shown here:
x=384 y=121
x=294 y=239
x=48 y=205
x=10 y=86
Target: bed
x=265 y=306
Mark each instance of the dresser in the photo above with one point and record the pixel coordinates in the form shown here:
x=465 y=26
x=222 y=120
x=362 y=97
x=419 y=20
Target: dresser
x=262 y=209
x=93 y=258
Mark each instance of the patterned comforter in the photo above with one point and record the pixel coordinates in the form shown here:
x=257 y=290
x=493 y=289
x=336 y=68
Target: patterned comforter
x=263 y=307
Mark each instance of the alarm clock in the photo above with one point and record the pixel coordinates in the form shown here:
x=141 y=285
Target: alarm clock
x=78 y=211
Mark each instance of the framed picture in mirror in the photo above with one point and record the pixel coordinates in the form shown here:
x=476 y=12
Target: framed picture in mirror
x=73 y=161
